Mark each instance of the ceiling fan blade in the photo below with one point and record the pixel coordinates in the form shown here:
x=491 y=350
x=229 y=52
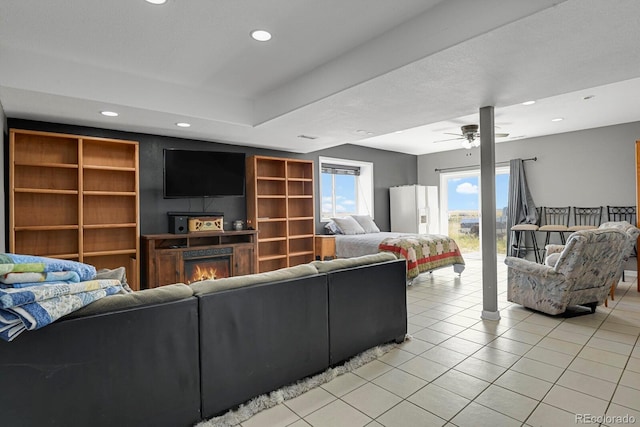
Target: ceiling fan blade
x=452 y=139
x=456 y=134
x=499 y=135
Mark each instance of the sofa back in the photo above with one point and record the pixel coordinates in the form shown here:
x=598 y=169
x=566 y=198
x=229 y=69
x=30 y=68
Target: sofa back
x=367 y=307
x=132 y=366
x=257 y=338
x=592 y=258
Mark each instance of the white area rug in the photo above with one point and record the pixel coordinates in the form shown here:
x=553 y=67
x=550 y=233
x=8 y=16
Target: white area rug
x=266 y=401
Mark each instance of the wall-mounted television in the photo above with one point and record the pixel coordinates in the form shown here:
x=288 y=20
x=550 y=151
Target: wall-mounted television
x=190 y=173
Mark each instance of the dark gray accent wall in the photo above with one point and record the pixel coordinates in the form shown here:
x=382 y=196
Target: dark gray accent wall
x=4 y=181
x=390 y=169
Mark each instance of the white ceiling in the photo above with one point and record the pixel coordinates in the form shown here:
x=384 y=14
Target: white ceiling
x=343 y=71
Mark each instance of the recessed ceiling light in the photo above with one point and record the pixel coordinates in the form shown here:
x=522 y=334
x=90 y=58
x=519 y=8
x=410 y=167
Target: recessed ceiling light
x=557 y=119
x=399 y=131
x=109 y=113
x=528 y=102
x=261 y=35
x=183 y=125
x=156 y=1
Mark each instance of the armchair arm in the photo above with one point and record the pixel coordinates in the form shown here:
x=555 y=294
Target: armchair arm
x=528 y=267
x=536 y=286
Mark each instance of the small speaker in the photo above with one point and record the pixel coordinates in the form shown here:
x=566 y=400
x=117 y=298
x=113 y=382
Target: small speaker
x=178 y=224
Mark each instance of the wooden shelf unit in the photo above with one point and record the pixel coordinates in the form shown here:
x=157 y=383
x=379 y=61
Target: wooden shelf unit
x=281 y=206
x=75 y=197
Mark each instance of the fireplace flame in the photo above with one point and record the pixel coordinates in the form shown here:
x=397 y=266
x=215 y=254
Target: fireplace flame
x=203 y=273
x=206 y=269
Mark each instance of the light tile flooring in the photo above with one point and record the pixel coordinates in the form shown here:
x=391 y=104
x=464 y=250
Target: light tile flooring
x=527 y=369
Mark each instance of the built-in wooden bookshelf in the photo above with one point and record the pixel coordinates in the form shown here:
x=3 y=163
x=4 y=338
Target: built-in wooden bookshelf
x=280 y=205
x=75 y=197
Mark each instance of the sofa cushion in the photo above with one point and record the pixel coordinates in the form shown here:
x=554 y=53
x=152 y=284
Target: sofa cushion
x=116 y=302
x=119 y=273
x=204 y=287
x=337 y=264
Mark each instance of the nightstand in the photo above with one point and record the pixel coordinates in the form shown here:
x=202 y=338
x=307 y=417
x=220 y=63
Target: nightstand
x=325 y=246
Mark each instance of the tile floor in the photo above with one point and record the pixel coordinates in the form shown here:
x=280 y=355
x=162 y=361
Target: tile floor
x=526 y=369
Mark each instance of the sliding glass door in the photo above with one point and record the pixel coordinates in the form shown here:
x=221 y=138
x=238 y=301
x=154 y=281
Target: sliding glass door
x=460 y=208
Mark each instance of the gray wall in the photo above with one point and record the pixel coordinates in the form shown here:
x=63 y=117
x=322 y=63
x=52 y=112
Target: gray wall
x=389 y=169
x=593 y=167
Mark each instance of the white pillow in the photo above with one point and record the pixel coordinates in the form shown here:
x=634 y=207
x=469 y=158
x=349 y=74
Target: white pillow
x=332 y=228
x=348 y=225
x=366 y=222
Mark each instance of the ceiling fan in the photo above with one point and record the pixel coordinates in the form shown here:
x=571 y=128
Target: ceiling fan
x=470 y=136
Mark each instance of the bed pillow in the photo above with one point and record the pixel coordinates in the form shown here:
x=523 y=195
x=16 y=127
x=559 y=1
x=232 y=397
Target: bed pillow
x=348 y=225
x=332 y=228
x=366 y=222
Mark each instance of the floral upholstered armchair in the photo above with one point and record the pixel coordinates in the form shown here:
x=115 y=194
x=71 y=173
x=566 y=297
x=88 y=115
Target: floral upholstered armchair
x=553 y=251
x=581 y=275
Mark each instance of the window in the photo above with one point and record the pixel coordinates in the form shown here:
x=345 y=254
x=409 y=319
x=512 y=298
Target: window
x=346 y=188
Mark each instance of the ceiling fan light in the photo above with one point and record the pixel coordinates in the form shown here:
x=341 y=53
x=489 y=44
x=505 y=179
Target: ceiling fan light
x=466 y=144
x=475 y=143
x=261 y=35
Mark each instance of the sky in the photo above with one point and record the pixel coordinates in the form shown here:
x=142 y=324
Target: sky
x=463 y=193
x=345 y=193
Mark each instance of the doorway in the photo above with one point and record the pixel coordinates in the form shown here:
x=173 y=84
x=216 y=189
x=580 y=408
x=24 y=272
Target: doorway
x=460 y=206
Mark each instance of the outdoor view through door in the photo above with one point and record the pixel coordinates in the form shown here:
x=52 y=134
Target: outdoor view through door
x=460 y=208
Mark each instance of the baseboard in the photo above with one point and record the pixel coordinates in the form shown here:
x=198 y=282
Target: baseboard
x=631 y=273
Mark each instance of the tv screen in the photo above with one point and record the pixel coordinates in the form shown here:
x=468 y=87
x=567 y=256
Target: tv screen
x=189 y=173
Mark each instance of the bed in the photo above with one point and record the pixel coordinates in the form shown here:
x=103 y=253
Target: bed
x=423 y=252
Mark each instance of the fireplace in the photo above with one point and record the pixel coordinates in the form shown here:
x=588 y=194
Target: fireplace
x=207 y=264
x=206 y=268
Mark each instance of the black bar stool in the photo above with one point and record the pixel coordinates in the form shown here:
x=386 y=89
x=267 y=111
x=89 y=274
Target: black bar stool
x=521 y=231
x=556 y=220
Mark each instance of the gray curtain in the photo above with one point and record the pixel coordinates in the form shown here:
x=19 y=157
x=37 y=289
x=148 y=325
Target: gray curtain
x=521 y=208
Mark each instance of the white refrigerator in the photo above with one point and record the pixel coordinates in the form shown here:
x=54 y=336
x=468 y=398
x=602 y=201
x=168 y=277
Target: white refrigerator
x=414 y=209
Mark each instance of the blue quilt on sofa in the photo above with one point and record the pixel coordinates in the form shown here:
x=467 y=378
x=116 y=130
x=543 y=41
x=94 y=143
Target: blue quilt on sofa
x=36 y=291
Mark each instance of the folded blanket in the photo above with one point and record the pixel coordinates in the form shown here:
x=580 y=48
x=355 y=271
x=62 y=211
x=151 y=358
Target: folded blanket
x=37 y=306
x=23 y=280
x=14 y=263
x=13 y=297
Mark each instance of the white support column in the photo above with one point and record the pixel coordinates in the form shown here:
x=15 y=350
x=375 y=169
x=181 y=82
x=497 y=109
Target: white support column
x=488 y=212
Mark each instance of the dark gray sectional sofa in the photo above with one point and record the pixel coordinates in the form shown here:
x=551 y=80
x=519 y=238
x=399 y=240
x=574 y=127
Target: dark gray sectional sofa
x=178 y=354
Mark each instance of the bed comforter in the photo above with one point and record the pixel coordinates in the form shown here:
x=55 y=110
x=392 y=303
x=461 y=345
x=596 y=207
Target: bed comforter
x=424 y=252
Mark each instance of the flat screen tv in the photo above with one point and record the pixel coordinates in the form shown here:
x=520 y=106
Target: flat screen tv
x=189 y=173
